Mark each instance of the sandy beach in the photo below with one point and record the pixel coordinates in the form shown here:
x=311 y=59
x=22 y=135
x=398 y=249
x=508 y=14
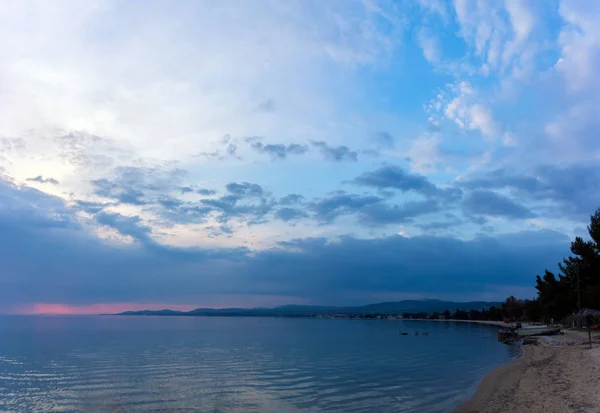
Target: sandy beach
x=559 y=375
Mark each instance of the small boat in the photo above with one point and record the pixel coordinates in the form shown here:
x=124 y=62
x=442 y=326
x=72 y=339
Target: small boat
x=529 y=331
x=517 y=332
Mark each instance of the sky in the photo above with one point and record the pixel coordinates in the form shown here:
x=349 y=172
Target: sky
x=243 y=154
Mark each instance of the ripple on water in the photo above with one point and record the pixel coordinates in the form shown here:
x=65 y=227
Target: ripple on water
x=241 y=365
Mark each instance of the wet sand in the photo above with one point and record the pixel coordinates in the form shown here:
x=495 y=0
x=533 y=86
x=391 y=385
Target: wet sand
x=559 y=375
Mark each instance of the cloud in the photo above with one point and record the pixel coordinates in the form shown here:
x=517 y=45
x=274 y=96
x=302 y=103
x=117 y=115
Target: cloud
x=424 y=155
x=73 y=267
x=336 y=153
x=436 y=7
x=429 y=45
x=267 y=105
x=579 y=42
x=279 y=151
x=126 y=225
x=489 y=203
x=307 y=81
x=290 y=214
x=108 y=189
x=394 y=177
x=228 y=150
x=549 y=182
x=469 y=113
x=440 y=225
x=341 y=203
x=384 y=139
x=368 y=209
x=383 y=214
x=245 y=200
x=206 y=192
x=33 y=209
x=245 y=189
x=291 y=199
x=43 y=180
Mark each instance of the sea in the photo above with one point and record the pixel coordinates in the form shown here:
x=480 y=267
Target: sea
x=241 y=365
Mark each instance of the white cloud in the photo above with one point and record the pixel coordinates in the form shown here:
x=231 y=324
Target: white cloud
x=168 y=80
x=424 y=155
x=436 y=7
x=579 y=42
x=430 y=46
x=468 y=113
x=500 y=36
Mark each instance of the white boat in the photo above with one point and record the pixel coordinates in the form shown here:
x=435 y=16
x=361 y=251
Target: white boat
x=528 y=331
x=509 y=335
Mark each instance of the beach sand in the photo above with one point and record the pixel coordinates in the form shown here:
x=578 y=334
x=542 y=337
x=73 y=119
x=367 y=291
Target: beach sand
x=559 y=375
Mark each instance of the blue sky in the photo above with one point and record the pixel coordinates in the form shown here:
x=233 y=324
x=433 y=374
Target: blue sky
x=241 y=154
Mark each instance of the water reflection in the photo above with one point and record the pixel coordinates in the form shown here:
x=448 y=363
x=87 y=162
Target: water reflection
x=187 y=364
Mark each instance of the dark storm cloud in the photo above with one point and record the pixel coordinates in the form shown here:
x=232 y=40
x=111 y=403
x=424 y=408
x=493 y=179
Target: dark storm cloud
x=279 y=151
x=336 y=153
x=43 y=180
x=47 y=258
x=483 y=202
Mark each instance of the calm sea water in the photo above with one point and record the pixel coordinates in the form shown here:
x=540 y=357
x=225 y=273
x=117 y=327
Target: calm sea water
x=279 y=365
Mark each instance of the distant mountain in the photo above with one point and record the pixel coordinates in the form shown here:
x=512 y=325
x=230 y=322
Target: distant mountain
x=292 y=310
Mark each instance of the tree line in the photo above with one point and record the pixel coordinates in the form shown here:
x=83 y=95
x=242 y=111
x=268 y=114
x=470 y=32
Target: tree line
x=577 y=285
x=512 y=309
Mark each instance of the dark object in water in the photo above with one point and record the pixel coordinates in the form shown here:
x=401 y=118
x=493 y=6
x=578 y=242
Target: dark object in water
x=404 y=334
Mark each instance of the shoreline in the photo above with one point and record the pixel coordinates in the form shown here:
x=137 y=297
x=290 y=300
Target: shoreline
x=557 y=375
x=486 y=322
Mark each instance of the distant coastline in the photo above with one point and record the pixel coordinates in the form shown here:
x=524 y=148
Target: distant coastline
x=388 y=310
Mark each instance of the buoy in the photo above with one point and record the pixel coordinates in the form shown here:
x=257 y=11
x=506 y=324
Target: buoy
x=416 y=333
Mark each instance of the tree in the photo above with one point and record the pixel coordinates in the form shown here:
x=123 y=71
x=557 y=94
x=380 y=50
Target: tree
x=579 y=280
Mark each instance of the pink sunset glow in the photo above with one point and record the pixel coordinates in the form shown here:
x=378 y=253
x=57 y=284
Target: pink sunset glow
x=99 y=308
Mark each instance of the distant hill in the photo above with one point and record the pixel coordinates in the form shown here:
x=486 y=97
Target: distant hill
x=395 y=307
